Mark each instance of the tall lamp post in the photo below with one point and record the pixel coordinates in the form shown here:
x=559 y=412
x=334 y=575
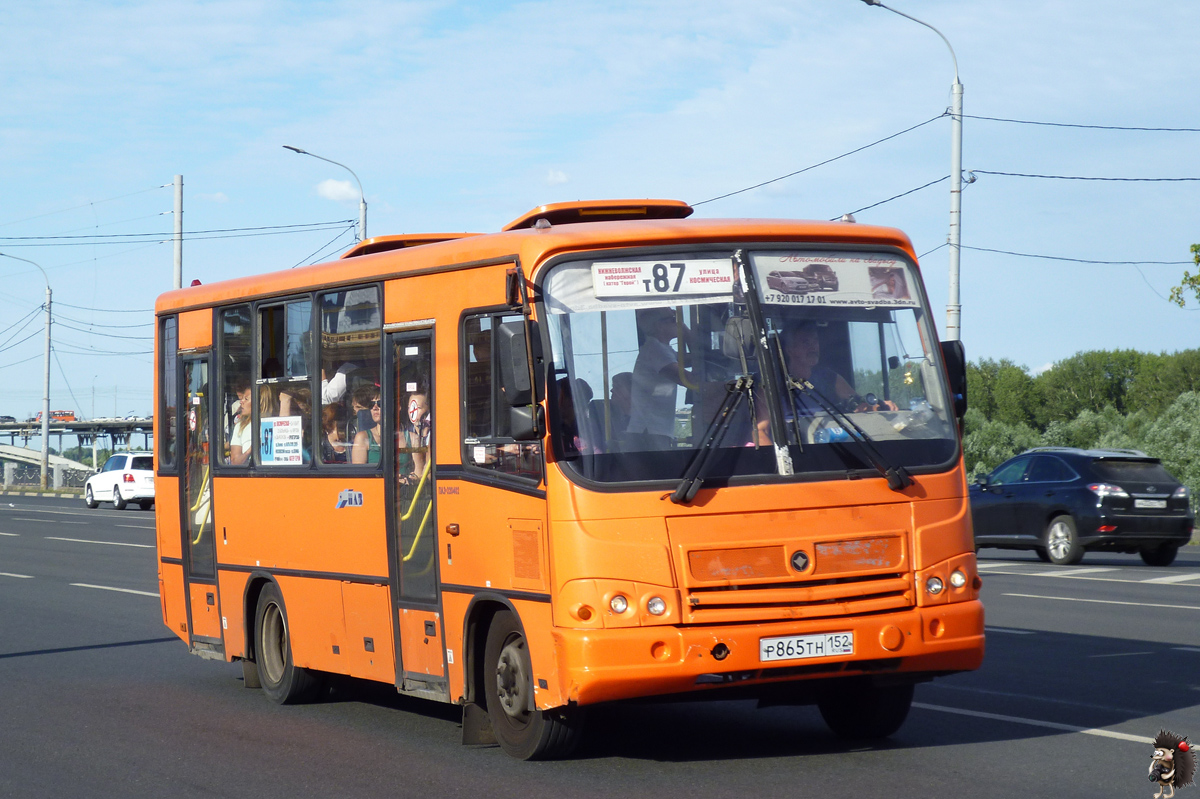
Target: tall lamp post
x=46 y=382
x=362 y=198
x=953 y=308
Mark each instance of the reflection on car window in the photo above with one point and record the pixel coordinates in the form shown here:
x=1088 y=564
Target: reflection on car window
x=1011 y=472
x=1048 y=469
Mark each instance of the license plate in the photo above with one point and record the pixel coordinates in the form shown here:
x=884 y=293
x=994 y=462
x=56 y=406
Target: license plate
x=797 y=647
x=1150 y=503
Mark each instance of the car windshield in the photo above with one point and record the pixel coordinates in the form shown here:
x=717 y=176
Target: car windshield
x=648 y=348
x=143 y=462
x=1138 y=471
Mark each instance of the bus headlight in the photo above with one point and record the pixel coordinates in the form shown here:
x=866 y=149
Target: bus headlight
x=957 y=578
x=619 y=604
x=657 y=606
x=934 y=585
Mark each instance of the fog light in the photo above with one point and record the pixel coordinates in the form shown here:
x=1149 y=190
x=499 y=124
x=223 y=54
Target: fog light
x=619 y=604
x=934 y=585
x=656 y=606
x=958 y=579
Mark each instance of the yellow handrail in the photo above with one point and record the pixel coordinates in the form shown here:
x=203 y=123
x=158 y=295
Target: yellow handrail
x=199 y=500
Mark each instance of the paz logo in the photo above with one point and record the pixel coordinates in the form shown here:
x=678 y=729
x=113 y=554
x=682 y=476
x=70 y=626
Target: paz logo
x=349 y=498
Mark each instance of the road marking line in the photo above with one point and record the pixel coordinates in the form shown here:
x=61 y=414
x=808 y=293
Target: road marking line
x=1186 y=648
x=979 y=565
x=1074 y=572
x=46 y=521
x=1107 y=602
x=12 y=535
x=1174 y=578
x=1081 y=579
x=110 y=543
x=18 y=576
x=1050 y=725
x=1120 y=654
x=134 y=527
x=1007 y=630
x=110 y=588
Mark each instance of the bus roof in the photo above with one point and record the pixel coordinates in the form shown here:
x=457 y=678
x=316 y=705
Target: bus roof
x=617 y=223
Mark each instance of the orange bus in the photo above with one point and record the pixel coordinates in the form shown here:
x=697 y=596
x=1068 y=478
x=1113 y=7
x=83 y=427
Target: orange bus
x=608 y=452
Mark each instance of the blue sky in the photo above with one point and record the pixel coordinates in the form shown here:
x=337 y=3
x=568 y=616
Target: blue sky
x=462 y=116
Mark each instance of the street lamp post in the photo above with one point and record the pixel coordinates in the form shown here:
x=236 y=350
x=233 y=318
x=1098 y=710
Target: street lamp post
x=46 y=381
x=362 y=198
x=953 y=308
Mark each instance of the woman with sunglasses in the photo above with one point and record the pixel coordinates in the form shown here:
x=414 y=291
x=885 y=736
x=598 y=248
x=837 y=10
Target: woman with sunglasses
x=367 y=443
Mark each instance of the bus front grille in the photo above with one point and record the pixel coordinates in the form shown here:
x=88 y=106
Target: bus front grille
x=798 y=600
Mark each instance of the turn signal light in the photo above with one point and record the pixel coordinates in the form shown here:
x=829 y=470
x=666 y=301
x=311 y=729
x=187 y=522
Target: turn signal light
x=127 y=477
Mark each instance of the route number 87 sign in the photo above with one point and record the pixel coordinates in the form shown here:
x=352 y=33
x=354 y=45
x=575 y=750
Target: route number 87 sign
x=665 y=278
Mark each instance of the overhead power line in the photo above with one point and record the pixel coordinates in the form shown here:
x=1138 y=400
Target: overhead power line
x=85 y=205
x=896 y=197
x=1090 y=127
x=822 y=163
x=1078 y=260
x=1077 y=177
x=127 y=238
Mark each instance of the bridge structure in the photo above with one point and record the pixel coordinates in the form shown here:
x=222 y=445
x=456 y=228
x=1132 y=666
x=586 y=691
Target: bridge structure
x=119 y=432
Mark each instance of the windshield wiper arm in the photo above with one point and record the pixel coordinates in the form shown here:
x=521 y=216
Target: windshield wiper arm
x=736 y=390
x=898 y=477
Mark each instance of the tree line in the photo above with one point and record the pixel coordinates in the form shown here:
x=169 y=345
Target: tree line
x=1100 y=399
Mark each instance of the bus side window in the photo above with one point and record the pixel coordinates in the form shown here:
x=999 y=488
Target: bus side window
x=350 y=350
x=237 y=393
x=487 y=442
x=285 y=336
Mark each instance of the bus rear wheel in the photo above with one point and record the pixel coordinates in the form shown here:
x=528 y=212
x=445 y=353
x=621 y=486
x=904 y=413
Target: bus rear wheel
x=860 y=711
x=282 y=680
x=521 y=729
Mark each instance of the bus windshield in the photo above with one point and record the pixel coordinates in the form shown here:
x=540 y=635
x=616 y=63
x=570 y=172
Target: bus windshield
x=658 y=355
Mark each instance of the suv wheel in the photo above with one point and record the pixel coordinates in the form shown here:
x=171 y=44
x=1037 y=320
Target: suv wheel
x=1062 y=542
x=90 y=500
x=1161 y=555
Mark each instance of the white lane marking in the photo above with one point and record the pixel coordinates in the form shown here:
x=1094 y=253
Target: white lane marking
x=1173 y=578
x=110 y=543
x=984 y=565
x=13 y=535
x=110 y=588
x=1107 y=601
x=47 y=521
x=1120 y=654
x=1074 y=572
x=1050 y=725
x=1186 y=648
x=1081 y=579
x=18 y=576
x=1007 y=630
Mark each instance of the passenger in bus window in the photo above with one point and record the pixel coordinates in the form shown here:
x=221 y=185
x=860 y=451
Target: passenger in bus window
x=334 y=388
x=368 y=447
x=656 y=378
x=421 y=419
x=620 y=401
x=241 y=441
x=334 y=448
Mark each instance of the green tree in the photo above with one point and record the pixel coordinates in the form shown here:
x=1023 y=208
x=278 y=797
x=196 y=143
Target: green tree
x=1174 y=438
x=1002 y=391
x=989 y=443
x=1087 y=381
x=1190 y=282
x=1162 y=378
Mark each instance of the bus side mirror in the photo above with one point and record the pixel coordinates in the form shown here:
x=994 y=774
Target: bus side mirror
x=955 y=358
x=513 y=353
x=523 y=426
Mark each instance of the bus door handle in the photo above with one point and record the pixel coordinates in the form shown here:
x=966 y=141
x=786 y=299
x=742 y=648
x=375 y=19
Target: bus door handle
x=452 y=529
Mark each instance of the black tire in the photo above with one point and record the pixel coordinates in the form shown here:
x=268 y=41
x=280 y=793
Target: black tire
x=859 y=711
x=1062 y=541
x=118 y=501
x=1161 y=555
x=521 y=729
x=282 y=681
x=145 y=504
x=1043 y=556
x=89 y=499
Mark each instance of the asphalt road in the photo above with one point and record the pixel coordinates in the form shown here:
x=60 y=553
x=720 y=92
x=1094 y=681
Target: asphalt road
x=97 y=698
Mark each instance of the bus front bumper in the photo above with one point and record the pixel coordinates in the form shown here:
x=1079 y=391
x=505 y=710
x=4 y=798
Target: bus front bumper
x=634 y=662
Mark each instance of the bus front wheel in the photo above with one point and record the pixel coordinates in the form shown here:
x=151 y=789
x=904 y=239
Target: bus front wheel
x=282 y=680
x=521 y=729
x=862 y=711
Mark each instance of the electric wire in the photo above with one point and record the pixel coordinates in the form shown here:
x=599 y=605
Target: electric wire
x=22 y=319
x=106 y=335
x=66 y=382
x=897 y=197
x=1078 y=177
x=187 y=234
x=85 y=205
x=1089 y=127
x=822 y=163
x=310 y=258
x=100 y=324
x=104 y=310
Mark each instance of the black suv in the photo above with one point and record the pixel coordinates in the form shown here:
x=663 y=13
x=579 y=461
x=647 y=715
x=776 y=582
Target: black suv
x=1061 y=502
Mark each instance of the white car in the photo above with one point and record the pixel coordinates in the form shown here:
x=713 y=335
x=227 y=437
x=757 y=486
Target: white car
x=126 y=477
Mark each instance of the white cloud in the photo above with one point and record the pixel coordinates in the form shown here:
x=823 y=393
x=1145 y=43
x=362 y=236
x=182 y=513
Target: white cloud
x=556 y=176
x=218 y=197
x=1046 y=367
x=340 y=190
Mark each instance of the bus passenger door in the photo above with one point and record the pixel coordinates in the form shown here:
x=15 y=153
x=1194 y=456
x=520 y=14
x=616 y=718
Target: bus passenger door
x=200 y=554
x=412 y=522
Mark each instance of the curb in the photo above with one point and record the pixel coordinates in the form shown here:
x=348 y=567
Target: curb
x=66 y=494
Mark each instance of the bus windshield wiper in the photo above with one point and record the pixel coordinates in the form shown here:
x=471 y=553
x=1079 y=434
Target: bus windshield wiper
x=898 y=477
x=735 y=391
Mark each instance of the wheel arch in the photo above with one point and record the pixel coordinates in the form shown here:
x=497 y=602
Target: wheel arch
x=478 y=618
x=254 y=587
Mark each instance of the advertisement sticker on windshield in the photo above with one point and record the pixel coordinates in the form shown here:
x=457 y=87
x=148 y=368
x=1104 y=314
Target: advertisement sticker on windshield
x=812 y=279
x=664 y=278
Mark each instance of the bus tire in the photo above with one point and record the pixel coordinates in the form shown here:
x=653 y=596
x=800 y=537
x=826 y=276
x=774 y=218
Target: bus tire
x=860 y=711
x=521 y=729
x=283 y=682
